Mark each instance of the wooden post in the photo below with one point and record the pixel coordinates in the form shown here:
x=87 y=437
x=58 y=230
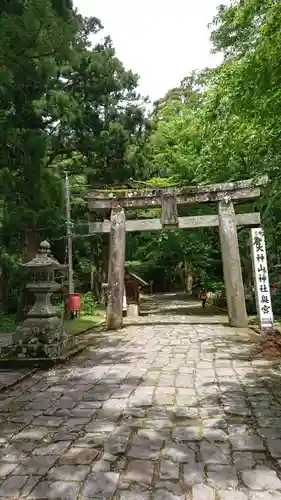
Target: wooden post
x=114 y=316
x=231 y=264
x=169 y=212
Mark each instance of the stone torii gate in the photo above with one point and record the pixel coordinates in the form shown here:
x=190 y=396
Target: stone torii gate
x=224 y=195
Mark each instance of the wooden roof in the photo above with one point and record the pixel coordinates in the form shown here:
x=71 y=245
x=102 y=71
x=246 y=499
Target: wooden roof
x=136 y=277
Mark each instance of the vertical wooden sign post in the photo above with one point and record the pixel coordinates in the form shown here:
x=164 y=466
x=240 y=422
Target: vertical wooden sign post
x=260 y=272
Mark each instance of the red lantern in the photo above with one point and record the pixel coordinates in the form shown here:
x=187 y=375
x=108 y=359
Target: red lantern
x=73 y=302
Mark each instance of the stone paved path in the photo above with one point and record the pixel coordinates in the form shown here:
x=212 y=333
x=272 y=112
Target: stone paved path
x=155 y=412
x=10 y=377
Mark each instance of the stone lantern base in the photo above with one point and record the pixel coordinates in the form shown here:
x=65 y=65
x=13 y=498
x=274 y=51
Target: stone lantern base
x=39 y=340
x=42 y=337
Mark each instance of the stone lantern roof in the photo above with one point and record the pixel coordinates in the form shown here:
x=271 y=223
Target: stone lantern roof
x=44 y=259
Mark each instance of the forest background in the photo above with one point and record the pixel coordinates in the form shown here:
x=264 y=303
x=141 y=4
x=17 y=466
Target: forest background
x=69 y=104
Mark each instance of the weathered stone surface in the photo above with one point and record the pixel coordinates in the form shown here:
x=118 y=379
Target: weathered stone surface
x=113 y=408
x=55 y=490
x=142 y=396
x=261 y=479
x=169 y=470
x=247 y=443
x=193 y=474
x=201 y=492
x=116 y=445
x=232 y=495
x=221 y=477
x=265 y=495
x=12 y=486
x=274 y=447
x=166 y=495
x=43 y=421
x=90 y=440
x=79 y=456
x=153 y=449
x=186 y=434
x=170 y=486
x=101 y=465
x=29 y=485
x=52 y=449
x=69 y=472
x=138 y=471
x=178 y=452
x=270 y=433
x=35 y=465
x=211 y=453
x=76 y=423
x=6 y=468
x=63 y=435
x=16 y=452
x=214 y=435
x=100 y=483
x=243 y=460
x=100 y=426
x=143 y=453
x=134 y=495
x=31 y=434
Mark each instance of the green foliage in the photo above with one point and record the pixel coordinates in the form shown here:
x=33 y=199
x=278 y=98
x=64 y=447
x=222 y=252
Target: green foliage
x=224 y=125
x=88 y=305
x=211 y=285
x=67 y=102
x=82 y=323
x=8 y=323
x=160 y=182
x=276 y=300
x=168 y=257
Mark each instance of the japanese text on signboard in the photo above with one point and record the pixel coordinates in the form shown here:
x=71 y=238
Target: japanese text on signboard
x=263 y=297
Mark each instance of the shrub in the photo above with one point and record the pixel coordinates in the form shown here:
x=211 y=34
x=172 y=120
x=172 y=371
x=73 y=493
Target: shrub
x=7 y=323
x=250 y=302
x=212 y=286
x=88 y=304
x=276 y=300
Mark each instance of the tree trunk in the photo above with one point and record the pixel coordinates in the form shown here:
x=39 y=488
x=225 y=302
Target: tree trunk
x=29 y=251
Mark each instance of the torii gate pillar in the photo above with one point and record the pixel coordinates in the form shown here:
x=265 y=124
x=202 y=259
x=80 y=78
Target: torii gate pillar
x=115 y=290
x=232 y=265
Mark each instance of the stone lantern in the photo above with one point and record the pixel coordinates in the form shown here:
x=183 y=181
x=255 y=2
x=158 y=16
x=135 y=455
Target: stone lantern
x=43 y=333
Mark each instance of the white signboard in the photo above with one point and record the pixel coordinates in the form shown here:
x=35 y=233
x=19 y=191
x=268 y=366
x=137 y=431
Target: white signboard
x=124 y=300
x=260 y=271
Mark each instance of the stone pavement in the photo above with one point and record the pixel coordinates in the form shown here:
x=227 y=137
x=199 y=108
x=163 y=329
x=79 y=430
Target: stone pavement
x=10 y=377
x=154 y=412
